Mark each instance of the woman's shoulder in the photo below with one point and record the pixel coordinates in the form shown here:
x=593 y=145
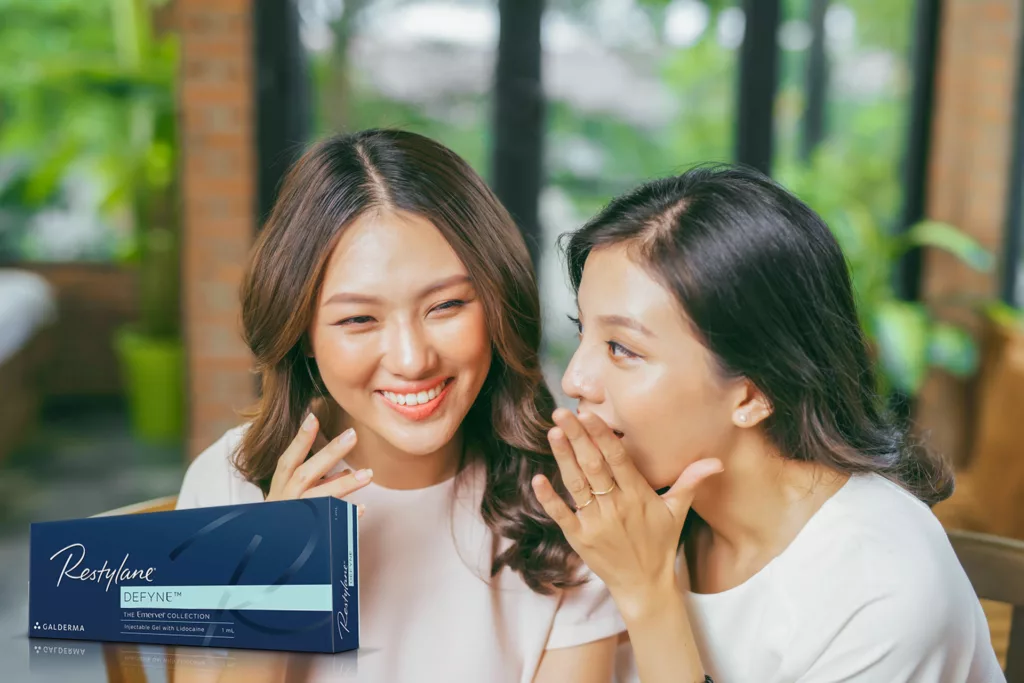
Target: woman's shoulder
x=212 y=477
x=875 y=577
x=889 y=525
x=876 y=544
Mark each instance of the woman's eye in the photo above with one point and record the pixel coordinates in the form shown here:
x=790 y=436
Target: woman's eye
x=355 y=320
x=619 y=351
x=449 y=305
x=577 y=323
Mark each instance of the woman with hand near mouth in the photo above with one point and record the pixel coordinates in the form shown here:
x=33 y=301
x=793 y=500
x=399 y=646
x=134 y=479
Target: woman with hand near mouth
x=721 y=365
x=394 y=317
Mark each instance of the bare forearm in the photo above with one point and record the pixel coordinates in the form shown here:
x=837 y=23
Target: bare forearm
x=663 y=644
x=590 y=663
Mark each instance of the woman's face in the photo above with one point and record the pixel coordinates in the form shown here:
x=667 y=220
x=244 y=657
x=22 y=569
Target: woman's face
x=399 y=334
x=642 y=370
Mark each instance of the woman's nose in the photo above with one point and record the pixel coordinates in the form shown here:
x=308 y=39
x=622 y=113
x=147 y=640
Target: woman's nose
x=409 y=353
x=580 y=381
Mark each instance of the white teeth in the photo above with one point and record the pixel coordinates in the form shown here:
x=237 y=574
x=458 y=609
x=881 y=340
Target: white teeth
x=414 y=399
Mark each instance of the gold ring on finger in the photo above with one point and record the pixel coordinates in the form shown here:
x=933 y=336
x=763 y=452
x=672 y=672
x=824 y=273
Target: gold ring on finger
x=605 y=492
x=589 y=501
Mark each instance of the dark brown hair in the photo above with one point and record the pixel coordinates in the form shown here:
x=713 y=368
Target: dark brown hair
x=330 y=186
x=765 y=286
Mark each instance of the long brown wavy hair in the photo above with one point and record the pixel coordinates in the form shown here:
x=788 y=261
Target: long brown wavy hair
x=329 y=187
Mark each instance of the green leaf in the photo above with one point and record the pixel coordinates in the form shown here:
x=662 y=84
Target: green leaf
x=901 y=333
x=47 y=176
x=949 y=238
x=953 y=349
x=1005 y=315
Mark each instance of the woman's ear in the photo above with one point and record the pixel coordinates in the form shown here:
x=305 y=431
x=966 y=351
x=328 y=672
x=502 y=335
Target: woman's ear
x=752 y=408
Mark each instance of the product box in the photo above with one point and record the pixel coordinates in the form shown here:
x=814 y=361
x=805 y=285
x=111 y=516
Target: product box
x=279 y=575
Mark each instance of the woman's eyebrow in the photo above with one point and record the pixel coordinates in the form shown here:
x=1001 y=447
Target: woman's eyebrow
x=354 y=298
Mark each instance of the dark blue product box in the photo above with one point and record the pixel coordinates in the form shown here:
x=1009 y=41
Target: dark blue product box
x=281 y=575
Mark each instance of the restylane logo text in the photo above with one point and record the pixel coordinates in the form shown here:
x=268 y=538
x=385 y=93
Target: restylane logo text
x=74 y=557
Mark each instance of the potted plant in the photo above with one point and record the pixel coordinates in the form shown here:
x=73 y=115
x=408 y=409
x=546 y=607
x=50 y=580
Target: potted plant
x=109 y=114
x=150 y=351
x=908 y=339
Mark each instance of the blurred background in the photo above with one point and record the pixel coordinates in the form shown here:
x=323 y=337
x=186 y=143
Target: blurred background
x=142 y=143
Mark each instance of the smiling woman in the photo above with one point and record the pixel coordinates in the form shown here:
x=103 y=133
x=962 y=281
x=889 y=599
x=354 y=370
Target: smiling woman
x=402 y=344
x=393 y=313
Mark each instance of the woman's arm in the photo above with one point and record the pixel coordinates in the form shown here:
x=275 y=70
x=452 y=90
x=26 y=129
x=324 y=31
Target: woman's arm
x=629 y=536
x=664 y=648
x=588 y=663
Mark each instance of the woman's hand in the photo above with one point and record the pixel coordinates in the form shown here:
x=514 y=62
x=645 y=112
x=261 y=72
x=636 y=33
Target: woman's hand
x=299 y=477
x=625 y=532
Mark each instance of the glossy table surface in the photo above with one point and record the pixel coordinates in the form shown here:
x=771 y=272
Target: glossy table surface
x=77 y=660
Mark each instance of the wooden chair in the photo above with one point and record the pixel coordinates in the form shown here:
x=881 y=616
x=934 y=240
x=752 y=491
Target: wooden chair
x=122 y=660
x=995 y=566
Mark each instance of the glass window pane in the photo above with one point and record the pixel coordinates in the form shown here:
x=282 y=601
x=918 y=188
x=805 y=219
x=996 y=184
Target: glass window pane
x=857 y=166
x=422 y=66
x=636 y=89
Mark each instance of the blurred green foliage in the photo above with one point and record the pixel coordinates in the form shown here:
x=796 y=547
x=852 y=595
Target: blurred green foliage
x=853 y=180
x=87 y=89
x=908 y=339
x=87 y=96
x=1006 y=316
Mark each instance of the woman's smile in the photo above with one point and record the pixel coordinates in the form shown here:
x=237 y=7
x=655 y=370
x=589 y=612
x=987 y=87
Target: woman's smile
x=418 y=401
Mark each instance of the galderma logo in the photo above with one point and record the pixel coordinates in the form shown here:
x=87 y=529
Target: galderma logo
x=46 y=626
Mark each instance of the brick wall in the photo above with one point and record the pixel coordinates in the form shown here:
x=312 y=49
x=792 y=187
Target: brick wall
x=219 y=186
x=971 y=153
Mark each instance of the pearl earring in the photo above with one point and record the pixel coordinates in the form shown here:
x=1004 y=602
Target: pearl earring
x=743 y=417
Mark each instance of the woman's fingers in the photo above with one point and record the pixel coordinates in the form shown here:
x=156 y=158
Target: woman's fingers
x=572 y=476
x=621 y=465
x=588 y=455
x=309 y=473
x=555 y=506
x=293 y=456
x=680 y=496
x=341 y=485
x=350 y=474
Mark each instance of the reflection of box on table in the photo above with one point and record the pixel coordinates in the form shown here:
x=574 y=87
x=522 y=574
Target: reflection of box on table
x=70 y=660
x=272 y=576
